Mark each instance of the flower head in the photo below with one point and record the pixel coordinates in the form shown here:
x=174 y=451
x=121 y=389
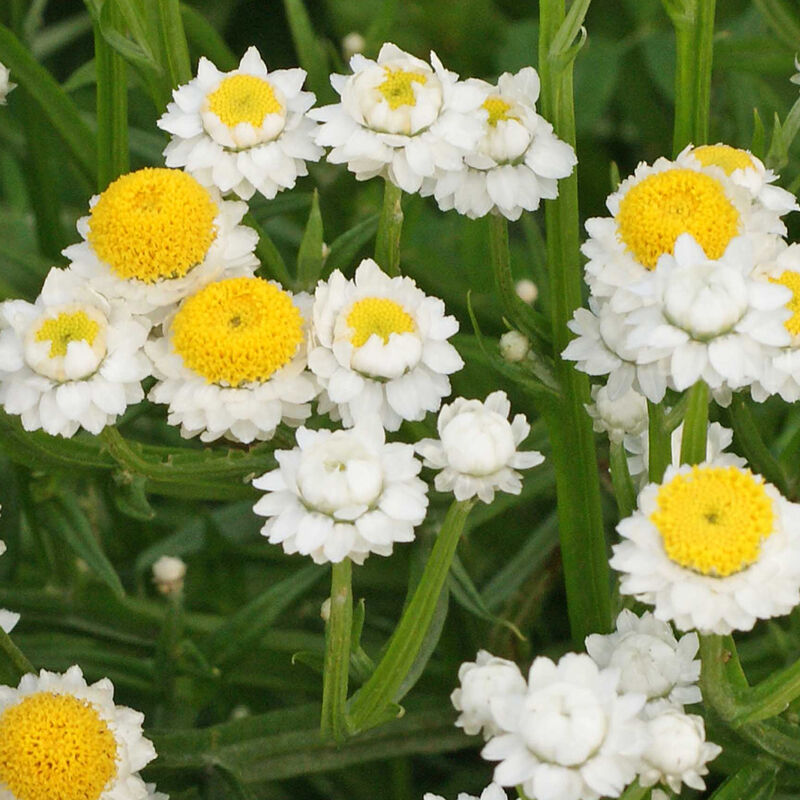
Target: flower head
x=380 y=347
x=713 y=548
x=342 y=494
x=242 y=131
x=94 y=748
x=623 y=416
x=477 y=448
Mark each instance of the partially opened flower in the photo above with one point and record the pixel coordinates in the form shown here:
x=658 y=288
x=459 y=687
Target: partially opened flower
x=518 y=159
x=242 y=131
x=713 y=548
x=342 y=494
x=70 y=360
x=232 y=361
x=619 y=417
x=62 y=738
x=155 y=235
x=476 y=452
x=400 y=118
x=380 y=347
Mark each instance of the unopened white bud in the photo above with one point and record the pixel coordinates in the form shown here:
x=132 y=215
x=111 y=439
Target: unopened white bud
x=353 y=43
x=527 y=291
x=325 y=609
x=168 y=574
x=514 y=346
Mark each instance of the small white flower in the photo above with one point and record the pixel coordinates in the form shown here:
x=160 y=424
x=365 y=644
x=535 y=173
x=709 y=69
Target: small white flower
x=94 y=748
x=242 y=131
x=5 y=84
x=526 y=290
x=677 y=751
x=571 y=737
x=71 y=359
x=623 y=416
x=232 y=361
x=156 y=235
x=514 y=346
x=712 y=548
x=491 y=792
x=168 y=574
x=352 y=44
x=517 y=161
x=651 y=661
x=342 y=494
x=477 y=448
x=399 y=118
x=379 y=346
x=481 y=680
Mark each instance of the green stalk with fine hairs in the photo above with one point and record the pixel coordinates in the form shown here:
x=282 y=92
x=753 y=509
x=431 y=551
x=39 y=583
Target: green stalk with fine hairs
x=338 y=629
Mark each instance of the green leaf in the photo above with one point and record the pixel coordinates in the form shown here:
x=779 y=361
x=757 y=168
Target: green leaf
x=311 y=54
x=131 y=496
x=757 y=143
x=345 y=248
x=54 y=103
x=174 y=49
x=754 y=781
x=309 y=256
x=205 y=39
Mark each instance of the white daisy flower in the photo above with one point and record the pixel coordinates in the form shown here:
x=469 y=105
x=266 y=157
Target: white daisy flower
x=517 y=161
x=745 y=170
x=481 y=680
x=713 y=548
x=242 y=131
x=379 y=346
x=342 y=494
x=491 y=792
x=5 y=83
x=651 y=661
x=400 y=118
x=623 y=416
x=477 y=448
x=571 y=737
x=709 y=319
x=677 y=751
x=70 y=360
x=155 y=235
x=94 y=749
x=655 y=206
x=232 y=361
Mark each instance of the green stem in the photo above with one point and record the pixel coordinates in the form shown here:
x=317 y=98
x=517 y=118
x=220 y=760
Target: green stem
x=369 y=705
x=337 y=652
x=112 y=106
x=624 y=490
x=659 y=443
x=583 y=545
x=390 y=226
x=684 y=83
x=703 y=57
x=13 y=656
x=695 y=425
x=635 y=792
x=174 y=48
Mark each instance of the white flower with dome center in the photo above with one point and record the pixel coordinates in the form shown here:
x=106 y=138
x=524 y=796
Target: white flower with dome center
x=342 y=494
x=94 y=749
x=481 y=680
x=572 y=736
x=651 y=661
x=712 y=548
x=71 y=359
x=379 y=346
x=400 y=118
x=477 y=448
x=491 y=792
x=677 y=751
x=242 y=131
x=517 y=161
x=156 y=235
x=232 y=361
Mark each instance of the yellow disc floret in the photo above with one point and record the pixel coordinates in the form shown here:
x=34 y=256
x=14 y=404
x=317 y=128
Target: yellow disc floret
x=713 y=519
x=724 y=156
x=243 y=98
x=791 y=280
x=237 y=331
x=153 y=224
x=498 y=110
x=66 y=328
x=55 y=747
x=397 y=87
x=658 y=209
x=380 y=316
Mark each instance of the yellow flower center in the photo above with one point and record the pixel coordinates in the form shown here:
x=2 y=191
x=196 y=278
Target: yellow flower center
x=498 y=110
x=713 y=519
x=791 y=280
x=379 y=316
x=237 y=331
x=243 y=98
x=724 y=156
x=397 y=88
x=657 y=210
x=153 y=224
x=66 y=328
x=55 y=747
